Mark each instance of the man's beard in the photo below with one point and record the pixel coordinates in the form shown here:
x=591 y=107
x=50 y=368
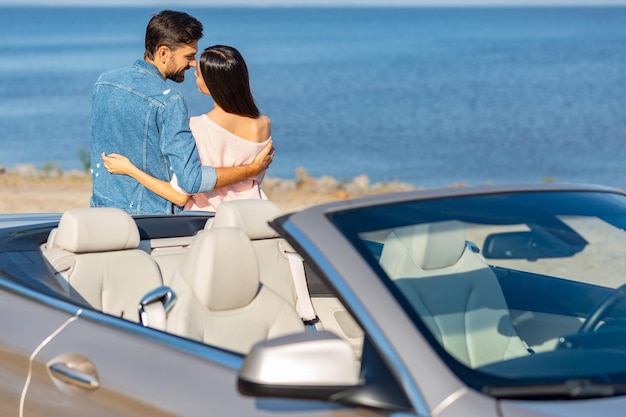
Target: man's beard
x=178 y=76
x=175 y=75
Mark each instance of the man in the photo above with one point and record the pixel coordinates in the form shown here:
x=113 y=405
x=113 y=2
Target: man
x=137 y=114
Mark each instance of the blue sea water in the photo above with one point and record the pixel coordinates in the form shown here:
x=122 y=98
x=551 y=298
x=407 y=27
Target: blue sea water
x=429 y=96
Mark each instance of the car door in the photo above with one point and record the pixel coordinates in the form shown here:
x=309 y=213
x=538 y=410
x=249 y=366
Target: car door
x=24 y=324
x=103 y=366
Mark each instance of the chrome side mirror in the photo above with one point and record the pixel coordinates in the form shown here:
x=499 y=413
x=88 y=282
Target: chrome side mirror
x=309 y=365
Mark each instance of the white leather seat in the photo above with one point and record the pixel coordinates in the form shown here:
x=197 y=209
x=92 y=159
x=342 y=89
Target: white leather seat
x=221 y=300
x=93 y=252
x=454 y=291
x=281 y=268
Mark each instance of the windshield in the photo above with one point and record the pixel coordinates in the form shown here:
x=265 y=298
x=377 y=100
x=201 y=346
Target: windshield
x=515 y=290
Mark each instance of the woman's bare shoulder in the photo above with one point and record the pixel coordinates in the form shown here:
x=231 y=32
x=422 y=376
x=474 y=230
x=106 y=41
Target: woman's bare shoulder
x=264 y=125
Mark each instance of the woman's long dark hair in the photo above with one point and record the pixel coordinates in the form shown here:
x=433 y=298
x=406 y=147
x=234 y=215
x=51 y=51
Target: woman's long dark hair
x=226 y=76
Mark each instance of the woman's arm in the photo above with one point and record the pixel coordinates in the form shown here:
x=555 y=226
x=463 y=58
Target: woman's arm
x=119 y=164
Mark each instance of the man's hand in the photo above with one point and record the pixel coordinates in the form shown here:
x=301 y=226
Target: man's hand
x=231 y=175
x=264 y=158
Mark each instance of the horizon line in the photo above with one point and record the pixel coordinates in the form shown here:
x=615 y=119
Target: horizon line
x=315 y=4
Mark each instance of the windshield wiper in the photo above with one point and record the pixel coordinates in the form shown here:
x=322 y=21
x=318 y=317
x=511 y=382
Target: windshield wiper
x=572 y=388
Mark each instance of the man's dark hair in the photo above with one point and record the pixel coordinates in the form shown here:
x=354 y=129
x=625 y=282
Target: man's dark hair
x=171 y=29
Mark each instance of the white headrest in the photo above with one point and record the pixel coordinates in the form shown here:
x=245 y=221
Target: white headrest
x=252 y=216
x=434 y=245
x=96 y=229
x=222 y=269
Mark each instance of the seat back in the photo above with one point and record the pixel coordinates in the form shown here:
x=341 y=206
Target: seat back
x=453 y=290
x=253 y=216
x=221 y=300
x=93 y=252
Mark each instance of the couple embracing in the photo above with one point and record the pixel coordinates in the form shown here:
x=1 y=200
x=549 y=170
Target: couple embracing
x=141 y=128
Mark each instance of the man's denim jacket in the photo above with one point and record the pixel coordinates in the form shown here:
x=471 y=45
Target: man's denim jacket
x=137 y=114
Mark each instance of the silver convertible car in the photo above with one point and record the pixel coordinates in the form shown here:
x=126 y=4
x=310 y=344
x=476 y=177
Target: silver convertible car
x=488 y=301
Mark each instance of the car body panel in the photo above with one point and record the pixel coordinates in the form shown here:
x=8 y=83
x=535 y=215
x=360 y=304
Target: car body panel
x=20 y=339
x=139 y=378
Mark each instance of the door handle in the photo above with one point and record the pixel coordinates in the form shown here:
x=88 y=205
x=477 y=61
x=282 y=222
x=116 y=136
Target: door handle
x=70 y=373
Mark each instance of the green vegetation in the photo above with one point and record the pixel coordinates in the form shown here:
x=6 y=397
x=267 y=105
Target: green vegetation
x=51 y=168
x=85 y=159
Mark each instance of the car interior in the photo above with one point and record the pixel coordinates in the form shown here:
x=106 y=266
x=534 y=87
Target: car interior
x=235 y=281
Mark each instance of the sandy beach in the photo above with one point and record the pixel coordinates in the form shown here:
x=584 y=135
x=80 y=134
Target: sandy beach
x=28 y=190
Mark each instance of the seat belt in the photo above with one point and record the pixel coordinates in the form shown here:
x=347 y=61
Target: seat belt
x=304 y=307
x=154 y=306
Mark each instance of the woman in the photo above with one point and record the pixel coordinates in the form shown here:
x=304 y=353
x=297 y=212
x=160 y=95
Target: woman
x=231 y=134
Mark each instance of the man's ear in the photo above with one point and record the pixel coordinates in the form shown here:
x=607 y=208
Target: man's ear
x=162 y=54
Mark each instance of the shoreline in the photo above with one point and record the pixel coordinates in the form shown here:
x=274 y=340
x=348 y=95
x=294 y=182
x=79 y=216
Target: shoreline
x=26 y=189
